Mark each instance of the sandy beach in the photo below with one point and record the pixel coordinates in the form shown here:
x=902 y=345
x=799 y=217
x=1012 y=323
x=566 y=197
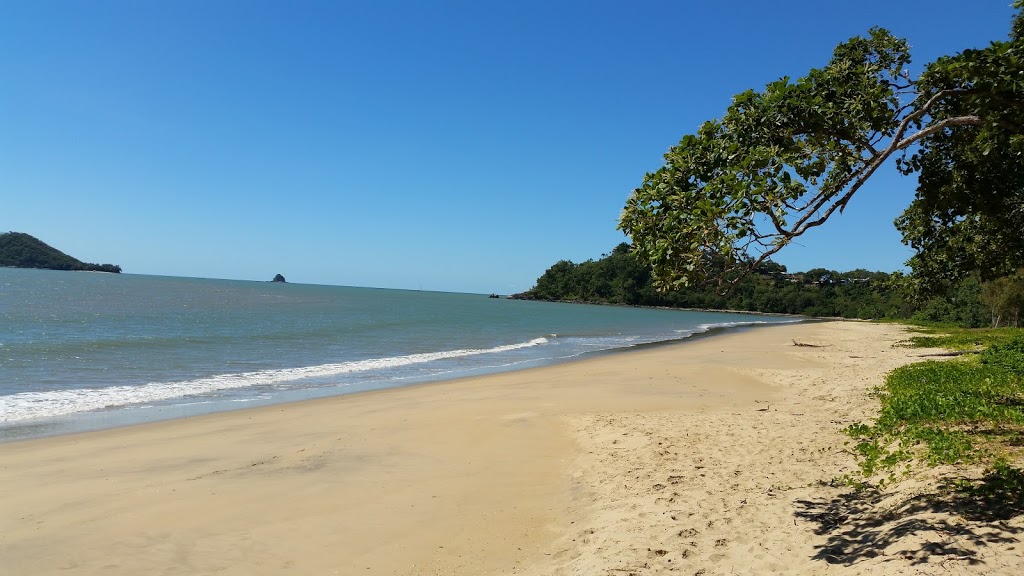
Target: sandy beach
x=713 y=456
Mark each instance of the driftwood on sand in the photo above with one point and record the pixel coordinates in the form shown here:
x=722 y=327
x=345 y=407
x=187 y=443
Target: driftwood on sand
x=806 y=345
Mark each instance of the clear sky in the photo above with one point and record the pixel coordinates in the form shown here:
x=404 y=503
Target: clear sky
x=461 y=146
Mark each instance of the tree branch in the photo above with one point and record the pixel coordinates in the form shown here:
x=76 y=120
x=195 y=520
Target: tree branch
x=859 y=177
x=937 y=127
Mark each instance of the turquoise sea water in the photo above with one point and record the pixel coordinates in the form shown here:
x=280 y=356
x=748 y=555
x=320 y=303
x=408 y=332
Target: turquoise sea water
x=88 y=350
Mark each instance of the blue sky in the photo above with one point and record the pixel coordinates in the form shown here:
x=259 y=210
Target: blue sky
x=460 y=146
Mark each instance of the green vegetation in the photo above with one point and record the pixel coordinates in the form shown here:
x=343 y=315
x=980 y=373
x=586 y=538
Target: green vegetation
x=784 y=160
x=959 y=339
x=969 y=410
x=20 y=250
x=1005 y=299
x=621 y=278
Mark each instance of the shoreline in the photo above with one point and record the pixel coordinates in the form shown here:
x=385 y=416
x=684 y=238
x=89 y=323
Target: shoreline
x=127 y=416
x=714 y=457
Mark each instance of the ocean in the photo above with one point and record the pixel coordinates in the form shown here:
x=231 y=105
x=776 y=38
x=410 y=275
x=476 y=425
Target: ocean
x=82 y=351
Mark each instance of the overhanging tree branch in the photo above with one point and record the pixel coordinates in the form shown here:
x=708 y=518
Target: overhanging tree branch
x=783 y=161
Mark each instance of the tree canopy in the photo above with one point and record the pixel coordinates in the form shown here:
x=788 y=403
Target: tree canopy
x=1005 y=299
x=784 y=160
x=968 y=209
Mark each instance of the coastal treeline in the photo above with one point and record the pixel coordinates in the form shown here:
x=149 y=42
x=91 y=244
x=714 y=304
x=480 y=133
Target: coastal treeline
x=20 y=250
x=619 y=277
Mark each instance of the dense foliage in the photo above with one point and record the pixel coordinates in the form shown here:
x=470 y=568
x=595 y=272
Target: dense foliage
x=1005 y=298
x=786 y=159
x=621 y=278
x=969 y=203
x=20 y=250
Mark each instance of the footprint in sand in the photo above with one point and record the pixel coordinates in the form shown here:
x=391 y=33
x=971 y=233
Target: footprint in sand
x=656 y=553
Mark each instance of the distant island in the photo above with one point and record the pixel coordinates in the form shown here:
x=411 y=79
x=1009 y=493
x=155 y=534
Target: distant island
x=279 y=278
x=19 y=250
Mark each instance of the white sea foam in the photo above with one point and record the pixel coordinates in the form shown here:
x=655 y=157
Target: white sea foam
x=702 y=328
x=30 y=405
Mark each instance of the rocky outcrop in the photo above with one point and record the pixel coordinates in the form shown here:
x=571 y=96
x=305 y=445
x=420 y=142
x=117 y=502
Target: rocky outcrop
x=523 y=296
x=279 y=278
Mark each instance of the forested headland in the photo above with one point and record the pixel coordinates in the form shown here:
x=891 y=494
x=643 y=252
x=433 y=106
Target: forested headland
x=20 y=250
x=619 y=277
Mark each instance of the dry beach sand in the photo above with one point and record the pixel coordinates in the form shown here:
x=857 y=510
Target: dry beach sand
x=707 y=457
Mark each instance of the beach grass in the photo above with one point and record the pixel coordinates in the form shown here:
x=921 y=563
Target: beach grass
x=967 y=410
x=955 y=338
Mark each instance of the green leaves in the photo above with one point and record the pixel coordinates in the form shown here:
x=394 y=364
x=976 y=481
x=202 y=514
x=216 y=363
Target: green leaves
x=948 y=412
x=969 y=203
x=744 y=186
x=783 y=160
x=1005 y=299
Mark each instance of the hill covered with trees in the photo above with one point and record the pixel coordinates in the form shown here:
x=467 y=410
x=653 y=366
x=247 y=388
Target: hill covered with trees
x=19 y=250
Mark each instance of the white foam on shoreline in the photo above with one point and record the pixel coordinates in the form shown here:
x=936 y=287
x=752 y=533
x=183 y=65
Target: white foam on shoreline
x=33 y=405
x=702 y=328
x=27 y=406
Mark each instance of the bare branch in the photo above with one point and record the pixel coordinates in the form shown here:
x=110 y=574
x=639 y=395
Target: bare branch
x=938 y=127
x=853 y=139
x=924 y=110
x=775 y=221
x=859 y=177
x=818 y=202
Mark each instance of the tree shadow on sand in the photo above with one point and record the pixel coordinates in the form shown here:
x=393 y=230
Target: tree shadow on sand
x=952 y=523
